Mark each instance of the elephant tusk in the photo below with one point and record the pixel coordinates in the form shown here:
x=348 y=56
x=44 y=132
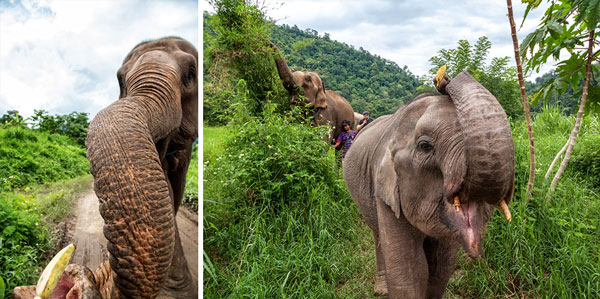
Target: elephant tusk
x=439 y=76
x=504 y=208
x=457 y=203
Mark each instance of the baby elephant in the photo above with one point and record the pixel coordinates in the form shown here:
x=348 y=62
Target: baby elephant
x=427 y=179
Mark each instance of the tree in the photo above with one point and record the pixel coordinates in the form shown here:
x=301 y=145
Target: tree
x=12 y=118
x=513 y=31
x=569 y=26
x=497 y=77
x=242 y=47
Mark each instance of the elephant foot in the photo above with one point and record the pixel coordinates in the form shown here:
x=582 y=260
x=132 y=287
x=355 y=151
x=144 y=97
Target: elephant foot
x=381 y=288
x=183 y=288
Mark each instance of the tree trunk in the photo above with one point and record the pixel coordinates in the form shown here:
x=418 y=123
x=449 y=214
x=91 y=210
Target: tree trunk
x=562 y=150
x=524 y=99
x=575 y=131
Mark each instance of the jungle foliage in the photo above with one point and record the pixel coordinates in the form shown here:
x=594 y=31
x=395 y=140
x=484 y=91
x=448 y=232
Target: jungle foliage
x=73 y=125
x=369 y=82
x=29 y=157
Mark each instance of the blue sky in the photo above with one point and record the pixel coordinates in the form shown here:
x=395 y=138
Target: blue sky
x=63 y=56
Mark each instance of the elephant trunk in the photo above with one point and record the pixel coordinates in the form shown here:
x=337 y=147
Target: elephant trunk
x=488 y=143
x=285 y=74
x=134 y=194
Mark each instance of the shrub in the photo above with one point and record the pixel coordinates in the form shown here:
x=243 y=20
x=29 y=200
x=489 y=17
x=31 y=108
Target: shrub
x=586 y=154
x=23 y=239
x=278 y=220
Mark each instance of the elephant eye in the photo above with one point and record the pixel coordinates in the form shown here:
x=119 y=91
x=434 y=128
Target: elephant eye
x=190 y=76
x=425 y=146
x=307 y=78
x=121 y=83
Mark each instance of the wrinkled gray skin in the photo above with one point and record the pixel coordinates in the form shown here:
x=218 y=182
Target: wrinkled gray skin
x=334 y=109
x=403 y=171
x=139 y=149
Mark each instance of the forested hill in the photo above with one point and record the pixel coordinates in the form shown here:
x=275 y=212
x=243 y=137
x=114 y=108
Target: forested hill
x=367 y=81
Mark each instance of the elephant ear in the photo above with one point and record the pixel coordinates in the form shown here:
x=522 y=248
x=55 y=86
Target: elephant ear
x=386 y=183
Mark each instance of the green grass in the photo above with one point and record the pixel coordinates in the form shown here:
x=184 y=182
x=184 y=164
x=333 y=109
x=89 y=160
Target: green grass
x=30 y=233
x=323 y=249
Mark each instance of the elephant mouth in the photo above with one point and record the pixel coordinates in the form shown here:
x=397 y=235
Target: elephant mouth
x=467 y=219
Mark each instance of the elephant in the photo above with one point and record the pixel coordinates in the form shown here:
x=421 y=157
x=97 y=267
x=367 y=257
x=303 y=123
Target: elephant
x=330 y=108
x=426 y=180
x=139 y=148
x=357 y=118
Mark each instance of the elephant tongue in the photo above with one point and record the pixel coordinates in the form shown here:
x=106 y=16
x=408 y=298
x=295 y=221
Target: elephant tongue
x=470 y=228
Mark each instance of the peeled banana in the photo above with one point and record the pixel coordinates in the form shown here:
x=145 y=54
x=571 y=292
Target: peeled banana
x=53 y=271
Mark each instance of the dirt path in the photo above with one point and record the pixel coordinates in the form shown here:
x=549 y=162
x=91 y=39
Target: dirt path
x=90 y=244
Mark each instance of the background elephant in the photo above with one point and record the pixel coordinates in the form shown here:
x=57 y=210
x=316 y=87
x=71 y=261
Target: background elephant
x=357 y=118
x=330 y=108
x=139 y=150
x=426 y=179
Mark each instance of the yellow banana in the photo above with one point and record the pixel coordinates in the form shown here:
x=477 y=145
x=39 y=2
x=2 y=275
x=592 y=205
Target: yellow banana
x=53 y=271
x=440 y=75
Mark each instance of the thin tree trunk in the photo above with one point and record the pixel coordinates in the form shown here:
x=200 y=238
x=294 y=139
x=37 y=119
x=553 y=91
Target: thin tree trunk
x=556 y=159
x=524 y=99
x=573 y=137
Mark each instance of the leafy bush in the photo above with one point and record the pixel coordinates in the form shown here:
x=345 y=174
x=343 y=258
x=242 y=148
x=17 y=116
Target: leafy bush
x=586 y=154
x=276 y=161
x=23 y=239
x=29 y=236
x=278 y=220
x=28 y=157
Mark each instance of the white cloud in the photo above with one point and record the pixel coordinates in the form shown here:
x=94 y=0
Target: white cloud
x=62 y=56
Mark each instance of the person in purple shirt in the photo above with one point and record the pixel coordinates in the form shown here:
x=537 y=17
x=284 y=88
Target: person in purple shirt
x=346 y=138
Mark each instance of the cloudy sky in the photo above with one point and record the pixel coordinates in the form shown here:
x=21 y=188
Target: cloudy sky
x=406 y=32
x=63 y=56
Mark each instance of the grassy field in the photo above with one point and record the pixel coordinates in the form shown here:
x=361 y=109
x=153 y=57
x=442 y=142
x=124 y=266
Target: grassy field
x=324 y=250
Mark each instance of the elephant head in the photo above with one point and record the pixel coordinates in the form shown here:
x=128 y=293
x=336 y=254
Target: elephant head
x=453 y=163
x=139 y=150
x=310 y=82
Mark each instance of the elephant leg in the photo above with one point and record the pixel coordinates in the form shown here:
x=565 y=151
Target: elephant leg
x=380 y=283
x=179 y=283
x=441 y=257
x=406 y=269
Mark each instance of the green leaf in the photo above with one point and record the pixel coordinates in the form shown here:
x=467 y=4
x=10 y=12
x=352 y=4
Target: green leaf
x=589 y=10
x=2 y=288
